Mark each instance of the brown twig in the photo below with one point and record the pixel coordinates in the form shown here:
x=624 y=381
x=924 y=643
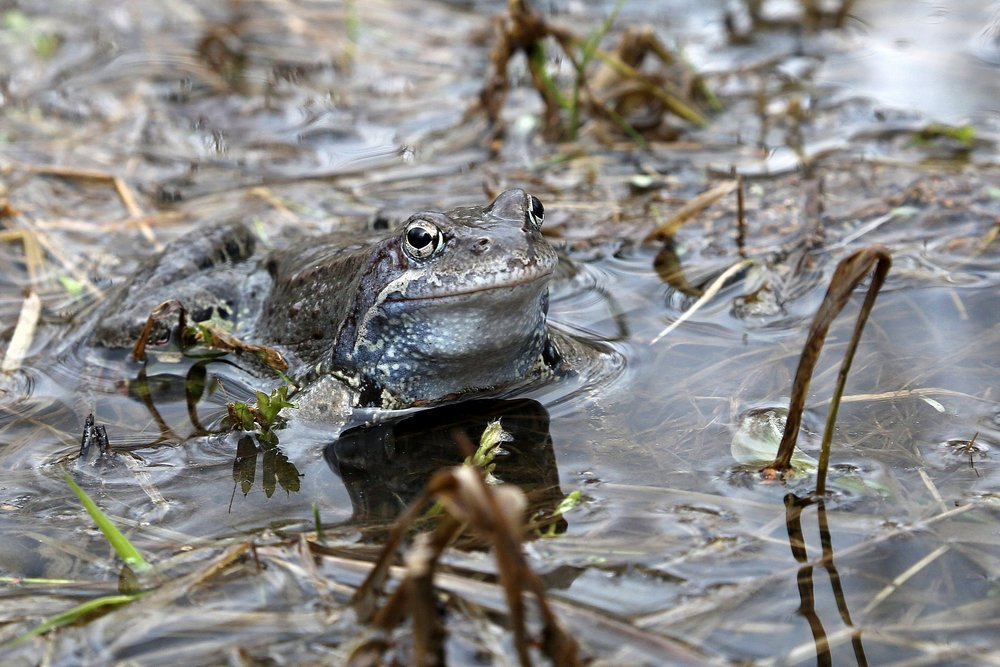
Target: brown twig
x=496 y=512
x=741 y=223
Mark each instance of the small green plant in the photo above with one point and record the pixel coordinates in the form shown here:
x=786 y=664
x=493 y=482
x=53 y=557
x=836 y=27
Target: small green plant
x=262 y=417
x=493 y=436
x=964 y=135
x=78 y=612
x=547 y=525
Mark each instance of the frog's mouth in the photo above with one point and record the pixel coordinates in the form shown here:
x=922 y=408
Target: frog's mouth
x=540 y=278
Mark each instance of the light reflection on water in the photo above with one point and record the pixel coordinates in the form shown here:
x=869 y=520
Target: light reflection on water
x=925 y=57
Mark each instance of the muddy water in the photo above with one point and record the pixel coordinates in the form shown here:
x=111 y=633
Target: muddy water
x=312 y=118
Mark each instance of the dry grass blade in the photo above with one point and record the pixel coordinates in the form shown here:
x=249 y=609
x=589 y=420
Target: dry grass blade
x=903 y=577
x=690 y=209
x=496 y=512
x=523 y=30
x=849 y=273
x=32 y=250
x=122 y=189
x=31 y=307
x=671 y=99
x=24 y=332
x=709 y=294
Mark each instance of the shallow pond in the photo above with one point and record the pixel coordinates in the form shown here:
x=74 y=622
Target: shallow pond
x=308 y=117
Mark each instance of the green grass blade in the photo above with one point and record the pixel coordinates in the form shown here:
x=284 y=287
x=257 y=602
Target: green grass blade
x=75 y=614
x=119 y=542
x=587 y=52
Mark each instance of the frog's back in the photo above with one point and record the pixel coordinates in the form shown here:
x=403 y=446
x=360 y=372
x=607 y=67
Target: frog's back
x=207 y=271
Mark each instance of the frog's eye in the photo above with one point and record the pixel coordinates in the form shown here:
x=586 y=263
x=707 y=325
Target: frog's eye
x=535 y=211
x=421 y=239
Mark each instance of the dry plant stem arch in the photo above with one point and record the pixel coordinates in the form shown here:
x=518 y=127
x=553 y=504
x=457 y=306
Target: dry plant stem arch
x=849 y=273
x=495 y=512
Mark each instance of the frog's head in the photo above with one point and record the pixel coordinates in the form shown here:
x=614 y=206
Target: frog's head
x=453 y=302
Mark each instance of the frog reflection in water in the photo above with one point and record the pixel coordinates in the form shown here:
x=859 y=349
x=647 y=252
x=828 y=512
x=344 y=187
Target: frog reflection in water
x=450 y=304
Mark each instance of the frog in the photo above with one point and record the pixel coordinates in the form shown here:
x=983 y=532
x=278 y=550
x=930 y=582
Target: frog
x=446 y=305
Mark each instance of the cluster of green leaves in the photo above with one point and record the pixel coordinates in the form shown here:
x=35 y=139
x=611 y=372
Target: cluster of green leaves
x=262 y=417
x=493 y=436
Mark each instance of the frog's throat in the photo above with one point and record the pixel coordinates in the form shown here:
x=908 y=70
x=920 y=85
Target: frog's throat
x=400 y=284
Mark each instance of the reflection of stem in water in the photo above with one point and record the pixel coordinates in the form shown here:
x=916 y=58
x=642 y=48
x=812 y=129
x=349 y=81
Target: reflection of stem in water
x=807 y=607
x=142 y=389
x=835 y=583
x=194 y=388
x=807 y=599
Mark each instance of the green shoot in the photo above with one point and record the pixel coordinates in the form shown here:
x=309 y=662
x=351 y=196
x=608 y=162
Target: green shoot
x=128 y=553
x=493 y=436
x=963 y=134
x=317 y=523
x=263 y=416
x=76 y=613
x=587 y=52
x=570 y=502
x=73 y=287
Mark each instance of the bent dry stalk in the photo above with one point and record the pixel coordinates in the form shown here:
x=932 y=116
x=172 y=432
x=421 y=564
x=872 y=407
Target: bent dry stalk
x=494 y=511
x=849 y=273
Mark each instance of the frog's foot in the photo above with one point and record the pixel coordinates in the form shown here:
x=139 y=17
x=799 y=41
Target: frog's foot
x=215 y=337
x=156 y=329
x=95 y=448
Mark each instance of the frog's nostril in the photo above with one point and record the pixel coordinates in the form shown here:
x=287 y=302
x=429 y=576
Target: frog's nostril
x=481 y=245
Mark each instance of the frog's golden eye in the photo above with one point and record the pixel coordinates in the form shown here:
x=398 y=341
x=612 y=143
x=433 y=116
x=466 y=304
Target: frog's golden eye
x=535 y=211
x=421 y=239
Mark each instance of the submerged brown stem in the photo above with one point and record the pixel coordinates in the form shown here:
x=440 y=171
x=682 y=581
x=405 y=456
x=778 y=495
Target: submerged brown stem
x=849 y=273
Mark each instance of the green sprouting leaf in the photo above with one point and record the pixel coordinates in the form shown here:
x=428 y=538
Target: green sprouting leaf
x=571 y=501
x=76 y=613
x=963 y=134
x=243 y=415
x=270 y=406
x=16 y=21
x=318 y=524
x=489 y=442
x=128 y=553
x=19 y=23
x=73 y=286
